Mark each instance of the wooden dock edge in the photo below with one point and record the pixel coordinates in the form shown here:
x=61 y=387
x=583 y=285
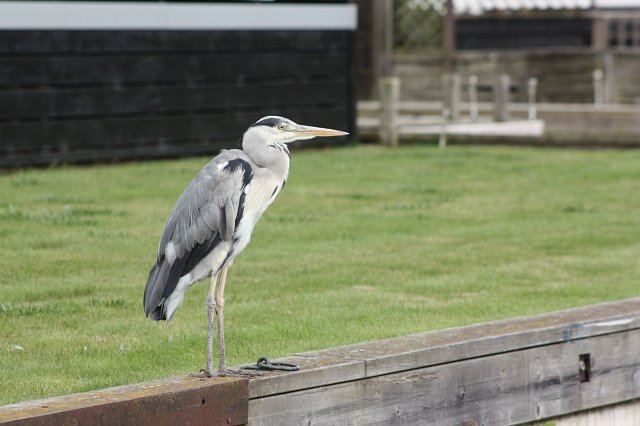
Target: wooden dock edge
x=174 y=401
x=499 y=373
x=506 y=372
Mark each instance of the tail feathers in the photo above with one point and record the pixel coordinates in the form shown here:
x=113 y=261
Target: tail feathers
x=154 y=291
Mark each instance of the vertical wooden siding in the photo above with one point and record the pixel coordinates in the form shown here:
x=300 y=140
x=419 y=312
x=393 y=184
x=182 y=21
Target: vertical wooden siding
x=76 y=96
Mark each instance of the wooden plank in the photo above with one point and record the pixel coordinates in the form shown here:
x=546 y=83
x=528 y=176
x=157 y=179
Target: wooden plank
x=97 y=132
x=433 y=348
x=316 y=370
x=76 y=95
x=47 y=156
x=24 y=42
x=509 y=388
x=65 y=135
x=181 y=400
x=115 y=71
x=507 y=32
x=53 y=155
x=453 y=345
x=381 y=42
x=626 y=413
x=45 y=143
x=65 y=103
x=499 y=373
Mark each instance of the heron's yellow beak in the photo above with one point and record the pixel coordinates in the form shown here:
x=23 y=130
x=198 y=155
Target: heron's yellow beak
x=316 y=131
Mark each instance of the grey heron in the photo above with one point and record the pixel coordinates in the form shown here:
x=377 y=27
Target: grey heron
x=212 y=221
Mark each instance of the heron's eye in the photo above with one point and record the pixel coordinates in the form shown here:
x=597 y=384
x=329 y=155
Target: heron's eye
x=282 y=126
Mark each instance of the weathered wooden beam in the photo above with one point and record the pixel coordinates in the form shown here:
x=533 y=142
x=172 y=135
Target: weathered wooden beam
x=600 y=34
x=182 y=400
x=505 y=389
x=503 y=372
x=449 y=39
x=381 y=42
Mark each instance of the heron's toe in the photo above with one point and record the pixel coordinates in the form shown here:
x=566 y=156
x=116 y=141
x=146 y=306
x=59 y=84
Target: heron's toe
x=203 y=374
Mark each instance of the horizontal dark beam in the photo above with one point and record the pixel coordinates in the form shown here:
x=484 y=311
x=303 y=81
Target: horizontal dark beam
x=77 y=103
x=104 y=133
x=176 y=401
x=28 y=42
x=116 y=71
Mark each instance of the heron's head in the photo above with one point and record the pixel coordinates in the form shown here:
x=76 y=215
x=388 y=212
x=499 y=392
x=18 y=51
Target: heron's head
x=279 y=129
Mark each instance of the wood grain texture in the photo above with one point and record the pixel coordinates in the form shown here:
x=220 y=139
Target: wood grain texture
x=499 y=373
x=514 y=32
x=155 y=69
x=505 y=389
x=316 y=370
x=502 y=372
x=155 y=136
x=432 y=348
x=178 y=400
x=624 y=414
x=21 y=42
x=78 y=96
x=82 y=102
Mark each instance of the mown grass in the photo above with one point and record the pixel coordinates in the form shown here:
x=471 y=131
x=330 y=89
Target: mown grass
x=364 y=243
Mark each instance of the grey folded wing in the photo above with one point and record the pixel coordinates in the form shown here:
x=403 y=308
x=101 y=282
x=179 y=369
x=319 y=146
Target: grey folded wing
x=206 y=213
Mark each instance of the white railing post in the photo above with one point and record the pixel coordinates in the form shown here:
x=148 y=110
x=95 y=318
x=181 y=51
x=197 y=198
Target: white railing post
x=451 y=93
x=532 y=88
x=598 y=88
x=473 y=98
x=501 y=96
x=389 y=97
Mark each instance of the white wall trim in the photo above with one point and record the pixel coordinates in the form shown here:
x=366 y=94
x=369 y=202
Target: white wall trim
x=175 y=16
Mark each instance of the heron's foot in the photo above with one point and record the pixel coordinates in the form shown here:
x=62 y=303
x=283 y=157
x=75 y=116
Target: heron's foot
x=203 y=374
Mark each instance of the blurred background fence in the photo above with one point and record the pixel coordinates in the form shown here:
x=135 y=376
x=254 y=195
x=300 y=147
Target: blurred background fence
x=560 y=44
x=418 y=26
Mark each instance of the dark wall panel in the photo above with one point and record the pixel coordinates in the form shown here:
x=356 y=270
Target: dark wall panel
x=74 y=96
x=518 y=33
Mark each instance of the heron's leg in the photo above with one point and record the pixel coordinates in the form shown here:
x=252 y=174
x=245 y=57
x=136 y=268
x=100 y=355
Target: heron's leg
x=220 y=312
x=211 y=308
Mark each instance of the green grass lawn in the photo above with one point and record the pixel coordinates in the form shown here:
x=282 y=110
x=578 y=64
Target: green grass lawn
x=364 y=243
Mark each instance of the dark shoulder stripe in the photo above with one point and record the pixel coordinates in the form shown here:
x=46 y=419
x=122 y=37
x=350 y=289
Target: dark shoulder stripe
x=240 y=164
x=240 y=209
